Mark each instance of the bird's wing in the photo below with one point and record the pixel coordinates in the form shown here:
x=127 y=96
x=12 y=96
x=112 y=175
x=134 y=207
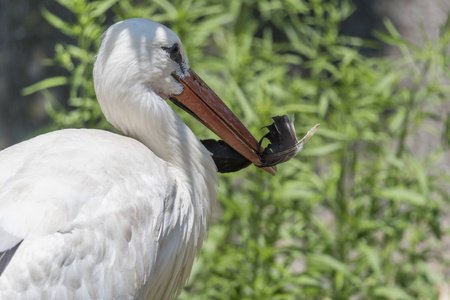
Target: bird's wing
x=80 y=201
x=45 y=182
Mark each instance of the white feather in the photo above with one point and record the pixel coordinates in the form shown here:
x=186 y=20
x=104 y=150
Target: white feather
x=103 y=215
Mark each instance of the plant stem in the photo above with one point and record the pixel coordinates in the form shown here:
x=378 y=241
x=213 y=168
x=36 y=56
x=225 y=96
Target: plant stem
x=418 y=82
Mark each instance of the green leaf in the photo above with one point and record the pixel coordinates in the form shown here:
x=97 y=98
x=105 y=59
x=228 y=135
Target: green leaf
x=402 y=194
x=57 y=22
x=100 y=7
x=45 y=84
x=386 y=82
x=392 y=292
x=307 y=280
x=324 y=261
x=371 y=255
x=321 y=150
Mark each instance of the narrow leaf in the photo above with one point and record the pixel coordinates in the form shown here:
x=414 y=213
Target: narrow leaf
x=403 y=195
x=45 y=84
x=392 y=292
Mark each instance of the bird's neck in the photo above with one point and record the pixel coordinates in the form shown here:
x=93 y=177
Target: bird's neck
x=158 y=127
x=150 y=120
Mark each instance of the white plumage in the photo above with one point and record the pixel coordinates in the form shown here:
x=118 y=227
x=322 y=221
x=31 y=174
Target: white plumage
x=96 y=215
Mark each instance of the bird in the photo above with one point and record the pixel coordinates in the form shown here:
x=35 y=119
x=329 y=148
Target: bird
x=91 y=214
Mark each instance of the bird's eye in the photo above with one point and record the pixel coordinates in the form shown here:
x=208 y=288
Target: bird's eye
x=173 y=51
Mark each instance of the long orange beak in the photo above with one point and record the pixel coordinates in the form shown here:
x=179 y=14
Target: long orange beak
x=200 y=101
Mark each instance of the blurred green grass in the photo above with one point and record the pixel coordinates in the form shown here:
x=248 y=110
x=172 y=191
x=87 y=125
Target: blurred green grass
x=357 y=214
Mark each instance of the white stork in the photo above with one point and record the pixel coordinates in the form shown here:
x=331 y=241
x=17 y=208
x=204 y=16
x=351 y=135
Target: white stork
x=89 y=214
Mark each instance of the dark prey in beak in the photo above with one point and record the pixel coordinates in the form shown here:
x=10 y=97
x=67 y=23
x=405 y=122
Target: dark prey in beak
x=283 y=146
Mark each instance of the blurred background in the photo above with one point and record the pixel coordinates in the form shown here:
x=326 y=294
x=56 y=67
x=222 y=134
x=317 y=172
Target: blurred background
x=362 y=212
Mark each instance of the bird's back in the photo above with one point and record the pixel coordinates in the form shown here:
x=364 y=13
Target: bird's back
x=96 y=214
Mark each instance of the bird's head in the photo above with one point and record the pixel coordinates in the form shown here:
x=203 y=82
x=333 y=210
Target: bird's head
x=138 y=57
x=142 y=53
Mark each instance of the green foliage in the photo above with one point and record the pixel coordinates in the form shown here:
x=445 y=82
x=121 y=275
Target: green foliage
x=359 y=213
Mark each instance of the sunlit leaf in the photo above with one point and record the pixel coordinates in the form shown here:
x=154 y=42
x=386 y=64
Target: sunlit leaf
x=45 y=84
x=403 y=195
x=392 y=292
